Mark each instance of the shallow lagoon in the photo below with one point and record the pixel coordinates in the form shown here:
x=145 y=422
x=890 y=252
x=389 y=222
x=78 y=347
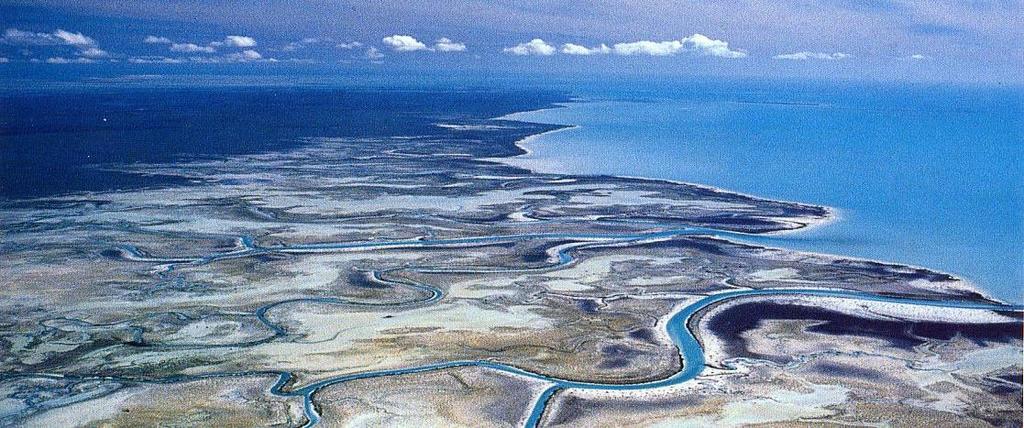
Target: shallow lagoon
x=928 y=176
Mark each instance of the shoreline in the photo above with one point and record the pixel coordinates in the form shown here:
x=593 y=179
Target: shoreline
x=801 y=224
x=833 y=215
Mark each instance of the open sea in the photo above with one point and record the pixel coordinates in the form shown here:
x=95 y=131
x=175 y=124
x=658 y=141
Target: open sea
x=57 y=139
x=922 y=175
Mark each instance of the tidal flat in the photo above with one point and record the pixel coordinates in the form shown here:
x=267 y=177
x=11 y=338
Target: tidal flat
x=415 y=279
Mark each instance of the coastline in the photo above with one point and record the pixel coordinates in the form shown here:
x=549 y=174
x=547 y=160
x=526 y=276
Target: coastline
x=521 y=145
x=833 y=215
x=801 y=225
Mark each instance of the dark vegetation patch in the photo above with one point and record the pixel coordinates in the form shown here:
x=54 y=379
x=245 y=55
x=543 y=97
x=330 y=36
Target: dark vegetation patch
x=731 y=323
x=617 y=356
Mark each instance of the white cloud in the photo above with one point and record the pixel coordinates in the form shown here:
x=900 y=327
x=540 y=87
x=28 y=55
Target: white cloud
x=645 y=47
x=206 y=59
x=697 y=43
x=14 y=36
x=374 y=53
x=349 y=45
x=62 y=60
x=157 y=40
x=406 y=43
x=87 y=47
x=533 y=47
x=712 y=47
x=245 y=56
x=232 y=41
x=74 y=39
x=403 y=43
x=574 y=49
x=805 y=55
x=154 y=60
x=918 y=57
x=240 y=41
x=294 y=46
x=445 y=44
x=4 y=60
x=191 y=47
x=94 y=53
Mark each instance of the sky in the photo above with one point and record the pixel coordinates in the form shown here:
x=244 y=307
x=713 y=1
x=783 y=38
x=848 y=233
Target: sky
x=932 y=40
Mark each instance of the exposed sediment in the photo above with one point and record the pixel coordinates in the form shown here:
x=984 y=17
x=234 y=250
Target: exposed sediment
x=338 y=281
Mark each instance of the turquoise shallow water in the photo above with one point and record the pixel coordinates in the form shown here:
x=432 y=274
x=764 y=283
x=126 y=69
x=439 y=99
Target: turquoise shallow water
x=929 y=176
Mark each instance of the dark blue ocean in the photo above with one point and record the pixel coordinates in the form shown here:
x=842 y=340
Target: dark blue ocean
x=930 y=175
x=57 y=139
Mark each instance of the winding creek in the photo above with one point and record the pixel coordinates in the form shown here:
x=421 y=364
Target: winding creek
x=690 y=349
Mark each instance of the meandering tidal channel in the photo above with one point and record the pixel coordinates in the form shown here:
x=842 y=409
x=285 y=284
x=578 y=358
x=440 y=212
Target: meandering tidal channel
x=690 y=349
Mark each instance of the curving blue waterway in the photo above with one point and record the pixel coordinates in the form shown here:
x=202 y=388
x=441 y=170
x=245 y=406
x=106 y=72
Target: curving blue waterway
x=689 y=348
x=922 y=175
x=677 y=327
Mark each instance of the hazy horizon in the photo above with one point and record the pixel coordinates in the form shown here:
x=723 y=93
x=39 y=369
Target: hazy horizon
x=876 y=40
